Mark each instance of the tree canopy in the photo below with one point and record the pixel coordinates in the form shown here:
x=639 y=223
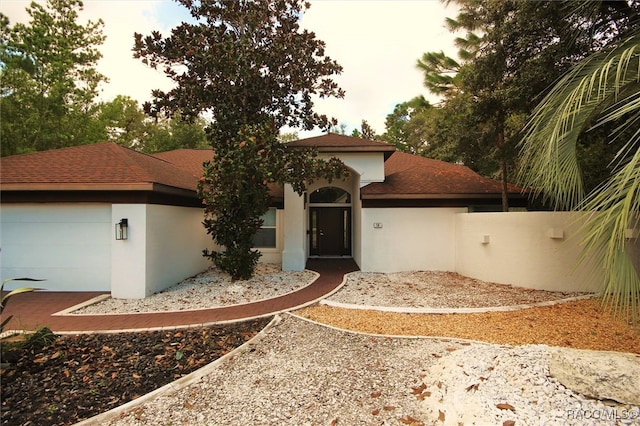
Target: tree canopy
x=248 y=64
x=127 y=124
x=510 y=54
x=48 y=79
x=245 y=62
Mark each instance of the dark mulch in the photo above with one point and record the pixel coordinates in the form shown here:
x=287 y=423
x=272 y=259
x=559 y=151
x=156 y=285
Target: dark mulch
x=66 y=379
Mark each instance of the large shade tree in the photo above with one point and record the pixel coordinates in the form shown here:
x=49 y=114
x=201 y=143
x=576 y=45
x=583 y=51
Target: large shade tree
x=249 y=65
x=49 y=79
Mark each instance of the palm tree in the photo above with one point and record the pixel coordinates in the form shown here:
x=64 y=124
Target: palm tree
x=602 y=91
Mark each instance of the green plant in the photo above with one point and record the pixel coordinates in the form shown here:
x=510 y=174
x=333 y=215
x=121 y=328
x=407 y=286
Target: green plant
x=6 y=297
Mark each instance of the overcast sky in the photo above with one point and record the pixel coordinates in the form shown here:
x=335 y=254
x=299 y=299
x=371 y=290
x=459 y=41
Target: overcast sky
x=376 y=42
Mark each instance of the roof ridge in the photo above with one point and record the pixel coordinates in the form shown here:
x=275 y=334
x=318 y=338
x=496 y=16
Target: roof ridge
x=64 y=148
x=147 y=155
x=129 y=155
x=151 y=175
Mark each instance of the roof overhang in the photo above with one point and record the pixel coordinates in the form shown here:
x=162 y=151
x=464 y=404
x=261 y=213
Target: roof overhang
x=138 y=193
x=439 y=200
x=412 y=196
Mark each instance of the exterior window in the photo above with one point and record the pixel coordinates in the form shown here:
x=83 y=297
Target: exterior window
x=266 y=236
x=330 y=194
x=314 y=229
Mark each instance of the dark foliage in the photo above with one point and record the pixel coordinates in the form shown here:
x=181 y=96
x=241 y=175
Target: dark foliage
x=61 y=380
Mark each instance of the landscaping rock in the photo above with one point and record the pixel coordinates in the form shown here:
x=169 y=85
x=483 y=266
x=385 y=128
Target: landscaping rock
x=598 y=374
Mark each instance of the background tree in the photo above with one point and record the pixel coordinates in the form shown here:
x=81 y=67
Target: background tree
x=340 y=129
x=511 y=52
x=365 y=132
x=288 y=137
x=509 y=56
x=169 y=133
x=48 y=79
x=249 y=65
x=404 y=126
x=126 y=124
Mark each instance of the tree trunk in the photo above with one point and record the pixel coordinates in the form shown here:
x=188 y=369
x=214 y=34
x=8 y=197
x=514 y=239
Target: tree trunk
x=503 y=171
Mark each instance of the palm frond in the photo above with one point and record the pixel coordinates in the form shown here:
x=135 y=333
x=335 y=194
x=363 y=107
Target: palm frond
x=602 y=90
x=615 y=209
x=549 y=148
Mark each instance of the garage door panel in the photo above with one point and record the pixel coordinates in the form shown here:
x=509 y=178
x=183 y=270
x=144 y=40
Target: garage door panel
x=57 y=213
x=68 y=244
x=53 y=233
x=61 y=279
x=55 y=255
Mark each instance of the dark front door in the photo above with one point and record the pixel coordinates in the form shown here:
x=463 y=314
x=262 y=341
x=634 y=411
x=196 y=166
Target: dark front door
x=330 y=231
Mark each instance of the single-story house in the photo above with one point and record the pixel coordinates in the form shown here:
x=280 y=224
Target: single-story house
x=107 y=218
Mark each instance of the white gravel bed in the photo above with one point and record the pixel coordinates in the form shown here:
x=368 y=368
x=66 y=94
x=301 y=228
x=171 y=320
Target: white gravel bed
x=435 y=289
x=302 y=373
x=495 y=384
x=416 y=289
x=209 y=289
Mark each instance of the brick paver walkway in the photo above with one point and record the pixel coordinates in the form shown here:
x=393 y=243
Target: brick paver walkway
x=33 y=310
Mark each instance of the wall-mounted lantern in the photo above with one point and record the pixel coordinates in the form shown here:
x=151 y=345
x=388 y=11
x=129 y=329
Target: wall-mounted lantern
x=122 y=229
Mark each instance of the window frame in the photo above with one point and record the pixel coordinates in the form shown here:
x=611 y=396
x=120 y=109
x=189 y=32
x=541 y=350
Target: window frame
x=274 y=227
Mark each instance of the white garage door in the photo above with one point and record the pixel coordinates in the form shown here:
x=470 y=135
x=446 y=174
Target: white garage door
x=67 y=244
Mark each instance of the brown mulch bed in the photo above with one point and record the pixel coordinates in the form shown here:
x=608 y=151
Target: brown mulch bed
x=583 y=324
x=73 y=377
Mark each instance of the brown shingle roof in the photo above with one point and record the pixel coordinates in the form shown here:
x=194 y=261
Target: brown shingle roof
x=411 y=176
x=333 y=142
x=108 y=166
x=191 y=160
x=98 y=166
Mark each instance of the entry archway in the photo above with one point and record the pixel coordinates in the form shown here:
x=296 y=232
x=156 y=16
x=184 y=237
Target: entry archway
x=330 y=222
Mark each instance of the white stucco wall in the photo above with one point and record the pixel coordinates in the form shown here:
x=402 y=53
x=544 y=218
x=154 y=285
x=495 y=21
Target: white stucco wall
x=69 y=245
x=164 y=246
x=368 y=165
x=128 y=257
x=294 y=254
x=408 y=239
x=175 y=240
x=356 y=222
x=528 y=249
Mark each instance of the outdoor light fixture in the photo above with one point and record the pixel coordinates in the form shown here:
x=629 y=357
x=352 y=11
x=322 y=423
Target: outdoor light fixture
x=122 y=229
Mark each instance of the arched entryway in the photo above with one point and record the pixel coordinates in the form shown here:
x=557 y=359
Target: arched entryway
x=330 y=222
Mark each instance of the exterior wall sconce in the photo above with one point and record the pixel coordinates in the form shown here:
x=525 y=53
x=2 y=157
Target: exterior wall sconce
x=122 y=229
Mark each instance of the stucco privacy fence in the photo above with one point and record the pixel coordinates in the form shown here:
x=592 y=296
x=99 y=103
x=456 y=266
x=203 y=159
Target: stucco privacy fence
x=538 y=250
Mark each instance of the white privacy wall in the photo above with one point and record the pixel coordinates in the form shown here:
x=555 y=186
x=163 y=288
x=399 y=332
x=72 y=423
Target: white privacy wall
x=408 y=239
x=536 y=250
x=69 y=245
x=164 y=247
